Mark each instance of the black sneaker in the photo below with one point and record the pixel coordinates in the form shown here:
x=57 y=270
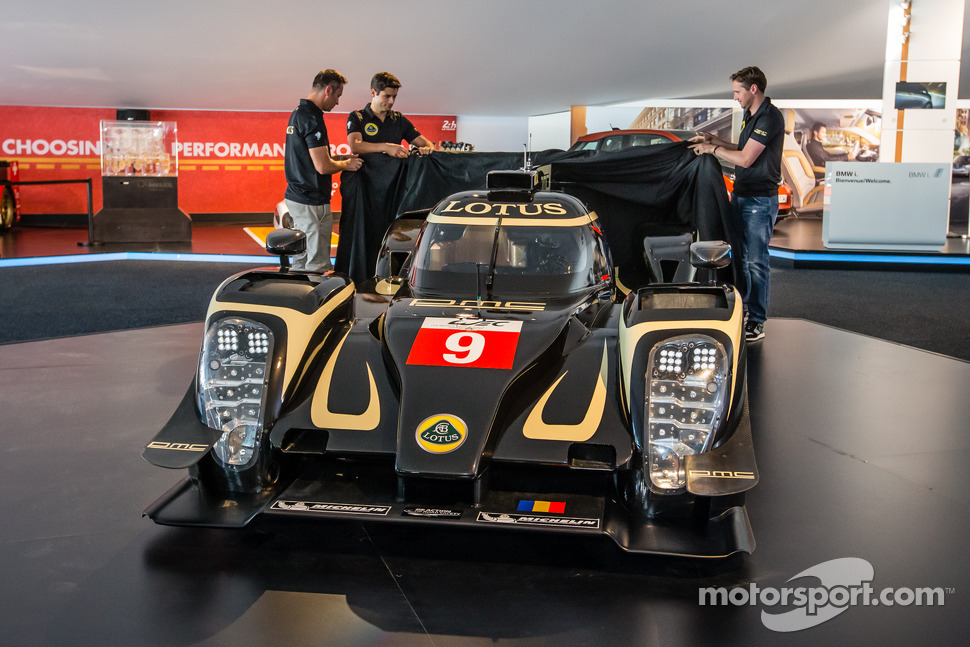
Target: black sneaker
x=754 y=331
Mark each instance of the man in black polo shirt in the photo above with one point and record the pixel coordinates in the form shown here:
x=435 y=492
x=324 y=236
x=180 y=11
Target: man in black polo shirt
x=378 y=129
x=368 y=197
x=754 y=203
x=309 y=167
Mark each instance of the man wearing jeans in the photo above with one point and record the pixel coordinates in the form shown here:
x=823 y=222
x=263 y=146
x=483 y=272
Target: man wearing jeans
x=754 y=204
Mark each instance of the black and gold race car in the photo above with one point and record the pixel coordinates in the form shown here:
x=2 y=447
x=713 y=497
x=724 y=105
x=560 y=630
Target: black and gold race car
x=492 y=376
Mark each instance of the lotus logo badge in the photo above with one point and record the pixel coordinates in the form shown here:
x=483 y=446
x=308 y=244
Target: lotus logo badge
x=441 y=433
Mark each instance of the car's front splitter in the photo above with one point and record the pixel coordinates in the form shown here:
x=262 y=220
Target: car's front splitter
x=349 y=496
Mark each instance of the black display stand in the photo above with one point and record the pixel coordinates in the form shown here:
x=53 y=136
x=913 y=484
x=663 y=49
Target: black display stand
x=141 y=210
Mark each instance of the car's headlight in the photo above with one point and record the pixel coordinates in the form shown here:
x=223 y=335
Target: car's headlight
x=233 y=373
x=685 y=398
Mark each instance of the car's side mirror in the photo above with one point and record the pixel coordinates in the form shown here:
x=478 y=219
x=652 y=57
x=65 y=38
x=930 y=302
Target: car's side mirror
x=285 y=243
x=710 y=255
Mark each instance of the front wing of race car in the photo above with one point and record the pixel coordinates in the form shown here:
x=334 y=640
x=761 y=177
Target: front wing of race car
x=368 y=491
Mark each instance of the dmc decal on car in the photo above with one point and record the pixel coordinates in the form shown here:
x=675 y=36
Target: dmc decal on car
x=180 y=447
x=720 y=474
x=476 y=303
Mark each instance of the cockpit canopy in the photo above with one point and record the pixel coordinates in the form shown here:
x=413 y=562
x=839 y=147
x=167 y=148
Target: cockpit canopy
x=471 y=246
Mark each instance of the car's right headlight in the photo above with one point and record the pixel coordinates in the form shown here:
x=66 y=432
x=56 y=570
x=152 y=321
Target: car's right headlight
x=233 y=376
x=685 y=398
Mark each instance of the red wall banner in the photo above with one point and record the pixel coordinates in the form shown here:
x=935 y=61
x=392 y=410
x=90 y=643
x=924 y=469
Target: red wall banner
x=229 y=162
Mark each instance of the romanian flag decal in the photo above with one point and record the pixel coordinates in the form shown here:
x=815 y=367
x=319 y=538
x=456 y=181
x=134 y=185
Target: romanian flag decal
x=555 y=507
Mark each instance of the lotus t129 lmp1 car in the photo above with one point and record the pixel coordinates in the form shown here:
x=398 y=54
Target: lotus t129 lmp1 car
x=491 y=378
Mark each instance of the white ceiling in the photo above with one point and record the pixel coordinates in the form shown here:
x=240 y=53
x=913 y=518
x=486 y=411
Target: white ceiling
x=462 y=57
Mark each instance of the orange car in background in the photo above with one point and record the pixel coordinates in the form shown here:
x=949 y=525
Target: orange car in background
x=615 y=140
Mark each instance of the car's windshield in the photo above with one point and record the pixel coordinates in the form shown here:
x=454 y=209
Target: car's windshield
x=528 y=260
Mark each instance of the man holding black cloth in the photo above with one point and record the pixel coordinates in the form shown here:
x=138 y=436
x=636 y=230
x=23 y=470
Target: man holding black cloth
x=309 y=168
x=378 y=129
x=754 y=203
x=370 y=198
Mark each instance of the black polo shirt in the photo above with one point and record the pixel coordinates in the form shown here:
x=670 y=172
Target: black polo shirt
x=305 y=130
x=820 y=156
x=395 y=127
x=766 y=126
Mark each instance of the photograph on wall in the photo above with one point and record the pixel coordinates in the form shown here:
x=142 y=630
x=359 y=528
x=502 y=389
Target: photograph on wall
x=816 y=136
x=716 y=121
x=913 y=95
x=960 y=175
x=821 y=134
x=833 y=135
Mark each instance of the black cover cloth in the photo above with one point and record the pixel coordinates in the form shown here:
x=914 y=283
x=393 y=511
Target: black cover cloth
x=386 y=187
x=651 y=190
x=369 y=200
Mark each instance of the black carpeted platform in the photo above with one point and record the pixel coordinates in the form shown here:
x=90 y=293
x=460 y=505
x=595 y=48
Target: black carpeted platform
x=43 y=301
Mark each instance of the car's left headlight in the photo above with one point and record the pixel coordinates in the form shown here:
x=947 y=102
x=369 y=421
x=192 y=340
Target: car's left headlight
x=685 y=398
x=233 y=375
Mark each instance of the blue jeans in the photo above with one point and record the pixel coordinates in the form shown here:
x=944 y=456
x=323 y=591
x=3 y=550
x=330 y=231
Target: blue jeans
x=755 y=217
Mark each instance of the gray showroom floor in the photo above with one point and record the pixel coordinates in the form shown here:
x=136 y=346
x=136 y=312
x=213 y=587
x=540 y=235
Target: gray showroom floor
x=862 y=447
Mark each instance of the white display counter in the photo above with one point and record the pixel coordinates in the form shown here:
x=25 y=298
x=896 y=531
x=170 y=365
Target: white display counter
x=886 y=206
